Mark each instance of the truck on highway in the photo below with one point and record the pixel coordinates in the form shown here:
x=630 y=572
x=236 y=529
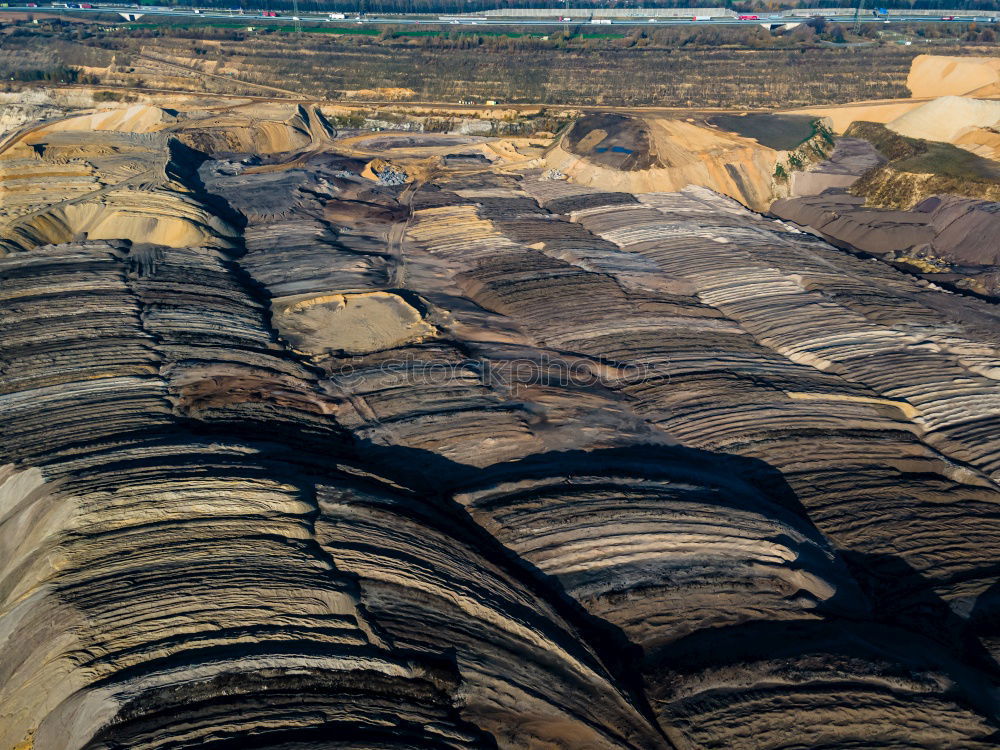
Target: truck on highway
x=337 y=16
x=601 y=21
x=749 y=18
x=701 y=18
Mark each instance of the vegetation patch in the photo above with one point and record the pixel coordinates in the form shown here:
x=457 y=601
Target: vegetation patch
x=814 y=149
x=918 y=169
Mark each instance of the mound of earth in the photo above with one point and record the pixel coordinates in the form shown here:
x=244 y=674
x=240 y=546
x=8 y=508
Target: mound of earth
x=961 y=227
x=844 y=218
x=942 y=238
x=940 y=75
x=930 y=76
x=616 y=141
x=887 y=202
x=277 y=129
x=615 y=152
x=948 y=118
x=842 y=116
x=361 y=323
x=139 y=118
x=70 y=184
x=385 y=172
x=917 y=169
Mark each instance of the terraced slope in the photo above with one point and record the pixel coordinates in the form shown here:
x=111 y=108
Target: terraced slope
x=489 y=460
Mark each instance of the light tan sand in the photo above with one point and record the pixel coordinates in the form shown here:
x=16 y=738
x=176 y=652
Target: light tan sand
x=947 y=118
x=939 y=75
x=352 y=323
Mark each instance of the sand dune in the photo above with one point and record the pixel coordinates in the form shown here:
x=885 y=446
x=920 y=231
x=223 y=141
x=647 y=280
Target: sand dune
x=947 y=118
x=138 y=118
x=940 y=75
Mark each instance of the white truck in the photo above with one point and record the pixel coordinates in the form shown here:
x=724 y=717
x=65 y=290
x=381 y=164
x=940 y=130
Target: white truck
x=337 y=16
x=601 y=21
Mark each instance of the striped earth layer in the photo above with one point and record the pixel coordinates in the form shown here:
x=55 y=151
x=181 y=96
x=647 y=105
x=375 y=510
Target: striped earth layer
x=297 y=460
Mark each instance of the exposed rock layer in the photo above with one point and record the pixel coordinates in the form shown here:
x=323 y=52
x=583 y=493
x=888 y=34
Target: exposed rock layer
x=490 y=461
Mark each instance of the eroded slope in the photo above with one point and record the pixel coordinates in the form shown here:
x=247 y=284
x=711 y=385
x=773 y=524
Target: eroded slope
x=490 y=460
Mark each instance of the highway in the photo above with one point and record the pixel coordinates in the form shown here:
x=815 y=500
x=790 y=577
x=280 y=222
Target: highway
x=512 y=20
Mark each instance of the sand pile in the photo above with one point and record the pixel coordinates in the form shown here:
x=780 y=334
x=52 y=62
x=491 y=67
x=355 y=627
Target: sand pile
x=947 y=118
x=668 y=155
x=62 y=186
x=843 y=116
x=265 y=130
x=939 y=75
x=160 y=217
x=352 y=323
x=139 y=118
x=982 y=142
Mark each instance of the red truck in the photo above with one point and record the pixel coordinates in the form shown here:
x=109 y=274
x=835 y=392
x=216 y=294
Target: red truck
x=749 y=18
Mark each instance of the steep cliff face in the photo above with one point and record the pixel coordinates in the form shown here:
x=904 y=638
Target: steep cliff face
x=489 y=460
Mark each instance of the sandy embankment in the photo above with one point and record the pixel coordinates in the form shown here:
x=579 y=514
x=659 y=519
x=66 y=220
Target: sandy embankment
x=686 y=154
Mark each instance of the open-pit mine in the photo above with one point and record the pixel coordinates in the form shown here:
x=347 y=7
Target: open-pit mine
x=657 y=432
